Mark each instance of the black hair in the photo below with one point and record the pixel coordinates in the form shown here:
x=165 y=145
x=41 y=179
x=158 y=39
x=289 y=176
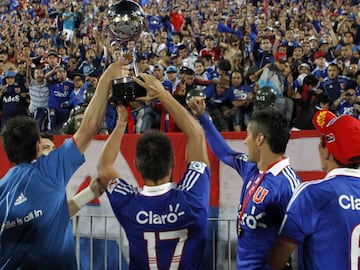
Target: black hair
x=274 y=126
x=47 y=135
x=311 y=80
x=181 y=47
x=334 y=65
x=224 y=64
x=154 y=155
x=20 y=136
x=208 y=58
x=189 y=72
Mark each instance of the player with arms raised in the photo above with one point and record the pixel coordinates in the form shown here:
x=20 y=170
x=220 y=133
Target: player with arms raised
x=269 y=180
x=164 y=222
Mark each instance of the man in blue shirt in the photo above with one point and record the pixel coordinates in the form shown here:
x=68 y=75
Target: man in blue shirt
x=59 y=92
x=322 y=217
x=334 y=84
x=165 y=222
x=13 y=98
x=219 y=99
x=269 y=180
x=35 y=229
x=69 y=18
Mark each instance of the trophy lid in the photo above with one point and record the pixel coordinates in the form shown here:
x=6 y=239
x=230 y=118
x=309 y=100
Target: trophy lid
x=126 y=20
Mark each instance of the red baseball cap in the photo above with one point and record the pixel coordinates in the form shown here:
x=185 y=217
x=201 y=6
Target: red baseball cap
x=319 y=54
x=341 y=134
x=280 y=56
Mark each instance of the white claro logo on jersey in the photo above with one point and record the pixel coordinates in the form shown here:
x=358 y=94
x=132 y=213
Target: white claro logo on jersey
x=252 y=221
x=149 y=217
x=349 y=202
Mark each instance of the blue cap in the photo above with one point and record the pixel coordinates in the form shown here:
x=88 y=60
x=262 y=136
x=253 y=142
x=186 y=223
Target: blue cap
x=171 y=69
x=10 y=73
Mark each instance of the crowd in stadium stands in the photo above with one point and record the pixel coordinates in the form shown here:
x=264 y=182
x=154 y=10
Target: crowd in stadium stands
x=307 y=52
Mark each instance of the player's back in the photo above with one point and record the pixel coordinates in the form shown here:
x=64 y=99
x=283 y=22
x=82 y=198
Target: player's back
x=165 y=224
x=334 y=205
x=35 y=232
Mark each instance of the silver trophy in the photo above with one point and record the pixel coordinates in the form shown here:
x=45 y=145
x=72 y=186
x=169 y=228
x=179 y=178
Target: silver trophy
x=126 y=22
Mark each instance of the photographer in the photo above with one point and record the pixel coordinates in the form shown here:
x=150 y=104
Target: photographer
x=347 y=103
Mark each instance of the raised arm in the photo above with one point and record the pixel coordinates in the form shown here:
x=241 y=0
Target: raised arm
x=95 y=112
x=94 y=190
x=215 y=139
x=196 y=149
x=106 y=168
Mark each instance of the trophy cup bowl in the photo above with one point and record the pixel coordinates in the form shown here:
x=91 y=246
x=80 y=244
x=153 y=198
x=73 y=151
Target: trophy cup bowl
x=126 y=21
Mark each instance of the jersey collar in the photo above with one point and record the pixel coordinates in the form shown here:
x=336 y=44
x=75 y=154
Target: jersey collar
x=156 y=190
x=279 y=166
x=344 y=171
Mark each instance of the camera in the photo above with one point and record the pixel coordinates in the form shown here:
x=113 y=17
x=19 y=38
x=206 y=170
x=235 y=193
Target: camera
x=126 y=89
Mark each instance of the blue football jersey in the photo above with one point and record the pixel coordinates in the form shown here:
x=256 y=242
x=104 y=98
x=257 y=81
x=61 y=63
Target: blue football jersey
x=35 y=230
x=59 y=92
x=323 y=217
x=265 y=210
x=165 y=224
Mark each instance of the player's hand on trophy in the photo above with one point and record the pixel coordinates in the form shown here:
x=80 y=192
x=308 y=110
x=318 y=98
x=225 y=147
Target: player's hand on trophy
x=118 y=69
x=122 y=114
x=153 y=86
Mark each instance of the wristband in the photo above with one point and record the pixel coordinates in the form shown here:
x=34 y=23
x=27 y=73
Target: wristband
x=83 y=197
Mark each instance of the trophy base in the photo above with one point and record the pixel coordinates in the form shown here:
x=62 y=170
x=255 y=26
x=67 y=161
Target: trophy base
x=126 y=89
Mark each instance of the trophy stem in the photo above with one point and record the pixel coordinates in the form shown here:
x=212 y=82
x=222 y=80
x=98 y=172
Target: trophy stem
x=136 y=70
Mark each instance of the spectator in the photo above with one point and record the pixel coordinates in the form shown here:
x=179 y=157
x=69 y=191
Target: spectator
x=200 y=72
x=244 y=96
x=20 y=77
x=334 y=84
x=5 y=63
x=262 y=52
x=297 y=56
x=210 y=67
x=77 y=113
x=188 y=59
x=232 y=52
x=186 y=84
x=210 y=49
x=219 y=101
x=39 y=97
x=347 y=103
x=171 y=75
x=52 y=62
x=306 y=109
x=272 y=74
x=177 y=61
x=174 y=43
x=69 y=18
x=90 y=64
x=59 y=92
x=152 y=112
x=320 y=70
x=14 y=98
x=77 y=95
